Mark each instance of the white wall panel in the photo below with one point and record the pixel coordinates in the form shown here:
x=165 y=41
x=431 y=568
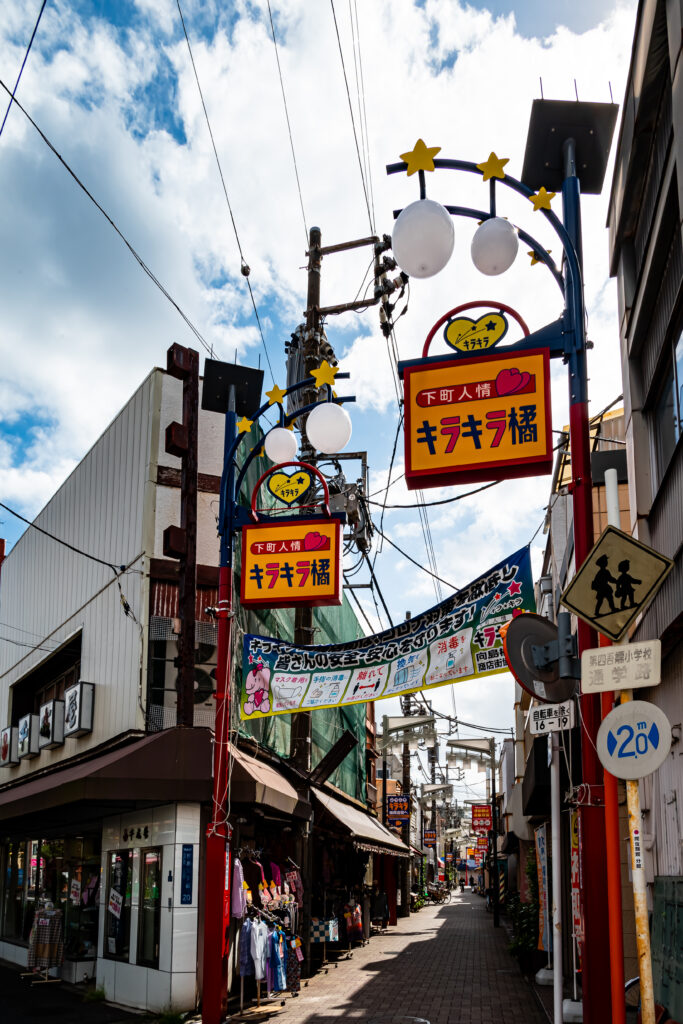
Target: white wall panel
x=51 y=592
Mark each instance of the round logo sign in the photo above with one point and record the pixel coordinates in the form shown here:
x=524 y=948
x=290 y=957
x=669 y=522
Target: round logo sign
x=634 y=739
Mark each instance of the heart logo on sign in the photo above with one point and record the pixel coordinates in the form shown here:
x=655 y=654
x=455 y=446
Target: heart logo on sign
x=468 y=335
x=315 y=541
x=289 y=489
x=511 y=382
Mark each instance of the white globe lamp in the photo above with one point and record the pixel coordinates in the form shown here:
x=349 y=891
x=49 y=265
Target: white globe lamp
x=494 y=246
x=423 y=238
x=281 y=445
x=328 y=428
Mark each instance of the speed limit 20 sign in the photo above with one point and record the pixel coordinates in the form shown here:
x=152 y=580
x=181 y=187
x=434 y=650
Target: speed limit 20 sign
x=552 y=717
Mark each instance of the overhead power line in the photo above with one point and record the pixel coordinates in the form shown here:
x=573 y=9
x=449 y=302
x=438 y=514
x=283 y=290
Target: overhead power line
x=289 y=127
x=23 y=64
x=353 y=120
x=200 y=338
x=411 y=559
x=117 y=569
x=244 y=265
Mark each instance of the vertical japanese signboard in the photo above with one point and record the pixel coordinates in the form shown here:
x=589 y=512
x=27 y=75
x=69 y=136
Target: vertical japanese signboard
x=398 y=808
x=291 y=562
x=481 y=818
x=544 y=935
x=469 y=420
x=428 y=837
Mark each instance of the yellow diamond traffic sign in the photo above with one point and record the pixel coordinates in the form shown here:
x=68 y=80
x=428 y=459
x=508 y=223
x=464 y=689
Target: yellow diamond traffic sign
x=616 y=582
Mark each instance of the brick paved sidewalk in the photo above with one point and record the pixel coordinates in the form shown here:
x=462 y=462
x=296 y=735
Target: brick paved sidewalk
x=446 y=965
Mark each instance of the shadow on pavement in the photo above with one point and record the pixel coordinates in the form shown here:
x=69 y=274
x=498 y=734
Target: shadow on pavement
x=23 y=1003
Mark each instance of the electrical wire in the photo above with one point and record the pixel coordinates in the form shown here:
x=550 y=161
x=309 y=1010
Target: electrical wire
x=353 y=121
x=443 y=501
x=112 y=223
x=386 y=492
x=23 y=64
x=72 y=547
x=360 y=95
x=289 y=127
x=411 y=559
x=245 y=268
x=359 y=606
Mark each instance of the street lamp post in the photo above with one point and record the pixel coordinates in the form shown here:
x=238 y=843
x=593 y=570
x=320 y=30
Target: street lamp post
x=567 y=148
x=236 y=390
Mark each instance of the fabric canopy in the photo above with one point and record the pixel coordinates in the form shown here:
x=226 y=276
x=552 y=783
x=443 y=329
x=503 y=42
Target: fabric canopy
x=368 y=833
x=256 y=782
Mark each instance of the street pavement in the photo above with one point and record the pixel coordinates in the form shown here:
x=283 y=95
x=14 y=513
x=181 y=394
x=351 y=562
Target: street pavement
x=443 y=965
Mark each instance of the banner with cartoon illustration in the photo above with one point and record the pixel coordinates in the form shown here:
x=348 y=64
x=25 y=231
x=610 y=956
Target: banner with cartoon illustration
x=455 y=640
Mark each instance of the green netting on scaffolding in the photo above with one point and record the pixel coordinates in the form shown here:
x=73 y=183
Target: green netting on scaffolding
x=333 y=625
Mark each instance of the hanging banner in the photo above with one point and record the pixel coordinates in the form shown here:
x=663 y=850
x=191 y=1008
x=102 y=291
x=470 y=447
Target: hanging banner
x=429 y=837
x=455 y=640
x=398 y=808
x=544 y=935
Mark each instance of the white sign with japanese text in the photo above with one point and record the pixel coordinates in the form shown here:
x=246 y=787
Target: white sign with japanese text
x=552 y=717
x=625 y=667
x=622 y=668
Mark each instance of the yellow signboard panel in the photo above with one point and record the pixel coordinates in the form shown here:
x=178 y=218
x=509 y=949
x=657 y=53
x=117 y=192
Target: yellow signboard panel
x=291 y=562
x=469 y=420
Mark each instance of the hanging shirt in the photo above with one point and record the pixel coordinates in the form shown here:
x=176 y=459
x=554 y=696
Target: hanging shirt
x=259 y=935
x=276 y=875
x=238 y=896
x=246 y=959
x=277 y=950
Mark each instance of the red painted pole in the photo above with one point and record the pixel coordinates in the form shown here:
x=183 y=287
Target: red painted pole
x=217 y=910
x=613 y=858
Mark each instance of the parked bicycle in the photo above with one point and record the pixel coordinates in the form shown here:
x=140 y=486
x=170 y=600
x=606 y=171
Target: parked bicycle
x=440 y=894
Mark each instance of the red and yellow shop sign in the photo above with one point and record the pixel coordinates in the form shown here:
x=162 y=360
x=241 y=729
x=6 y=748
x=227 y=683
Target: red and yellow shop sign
x=481 y=818
x=291 y=562
x=470 y=420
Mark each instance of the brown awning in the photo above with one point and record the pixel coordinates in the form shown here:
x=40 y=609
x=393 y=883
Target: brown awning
x=255 y=782
x=368 y=833
x=165 y=766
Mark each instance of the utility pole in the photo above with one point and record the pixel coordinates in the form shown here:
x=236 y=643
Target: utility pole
x=406 y=705
x=495 y=894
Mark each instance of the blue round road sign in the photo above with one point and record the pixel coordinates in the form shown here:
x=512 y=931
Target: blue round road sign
x=634 y=739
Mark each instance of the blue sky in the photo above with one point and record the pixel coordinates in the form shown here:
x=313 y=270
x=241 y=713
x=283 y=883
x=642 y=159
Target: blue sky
x=112 y=87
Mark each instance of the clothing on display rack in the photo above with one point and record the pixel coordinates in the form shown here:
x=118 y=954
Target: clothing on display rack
x=238 y=896
x=294 y=879
x=277 y=960
x=247 y=968
x=258 y=940
x=255 y=879
x=294 y=961
x=46 y=941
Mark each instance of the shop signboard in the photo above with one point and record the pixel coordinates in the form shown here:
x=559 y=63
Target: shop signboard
x=78 y=709
x=457 y=639
x=449 y=858
x=9 y=742
x=577 y=920
x=27 y=743
x=398 y=808
x=291 y=562
x=482 y=843
x=481 y=818
x=485 y=418
x=429 y=837
x=51 y=728
x=544 y=936
x=471 y=852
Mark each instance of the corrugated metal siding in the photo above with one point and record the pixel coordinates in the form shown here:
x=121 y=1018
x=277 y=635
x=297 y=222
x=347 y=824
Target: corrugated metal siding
x=54 y=592
x=165 y=601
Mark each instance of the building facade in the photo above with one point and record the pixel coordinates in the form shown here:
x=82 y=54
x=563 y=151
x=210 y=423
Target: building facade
x=104 y=802
x=646 y=253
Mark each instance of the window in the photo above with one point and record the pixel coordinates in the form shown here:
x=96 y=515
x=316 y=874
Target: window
x=48 y=681
x=64 y=871
x=150 y=907
x=118 y=902
x=668 y=412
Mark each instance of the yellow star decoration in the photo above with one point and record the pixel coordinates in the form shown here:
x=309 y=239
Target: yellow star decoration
x=276 y=394
x=493 y=167
x=244 y=425
x=325 y=374
x=541 y=199
x=421 y=158
x=535 y=257
x=290 y=426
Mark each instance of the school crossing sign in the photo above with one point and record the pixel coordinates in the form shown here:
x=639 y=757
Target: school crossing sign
x=616 y=582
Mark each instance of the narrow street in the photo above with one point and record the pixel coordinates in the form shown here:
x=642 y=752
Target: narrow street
x=444 y=965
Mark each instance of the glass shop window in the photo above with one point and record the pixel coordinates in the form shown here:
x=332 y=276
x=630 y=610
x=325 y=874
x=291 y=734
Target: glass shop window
x=117 y=912
x=150 y=907
x=668 y=412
